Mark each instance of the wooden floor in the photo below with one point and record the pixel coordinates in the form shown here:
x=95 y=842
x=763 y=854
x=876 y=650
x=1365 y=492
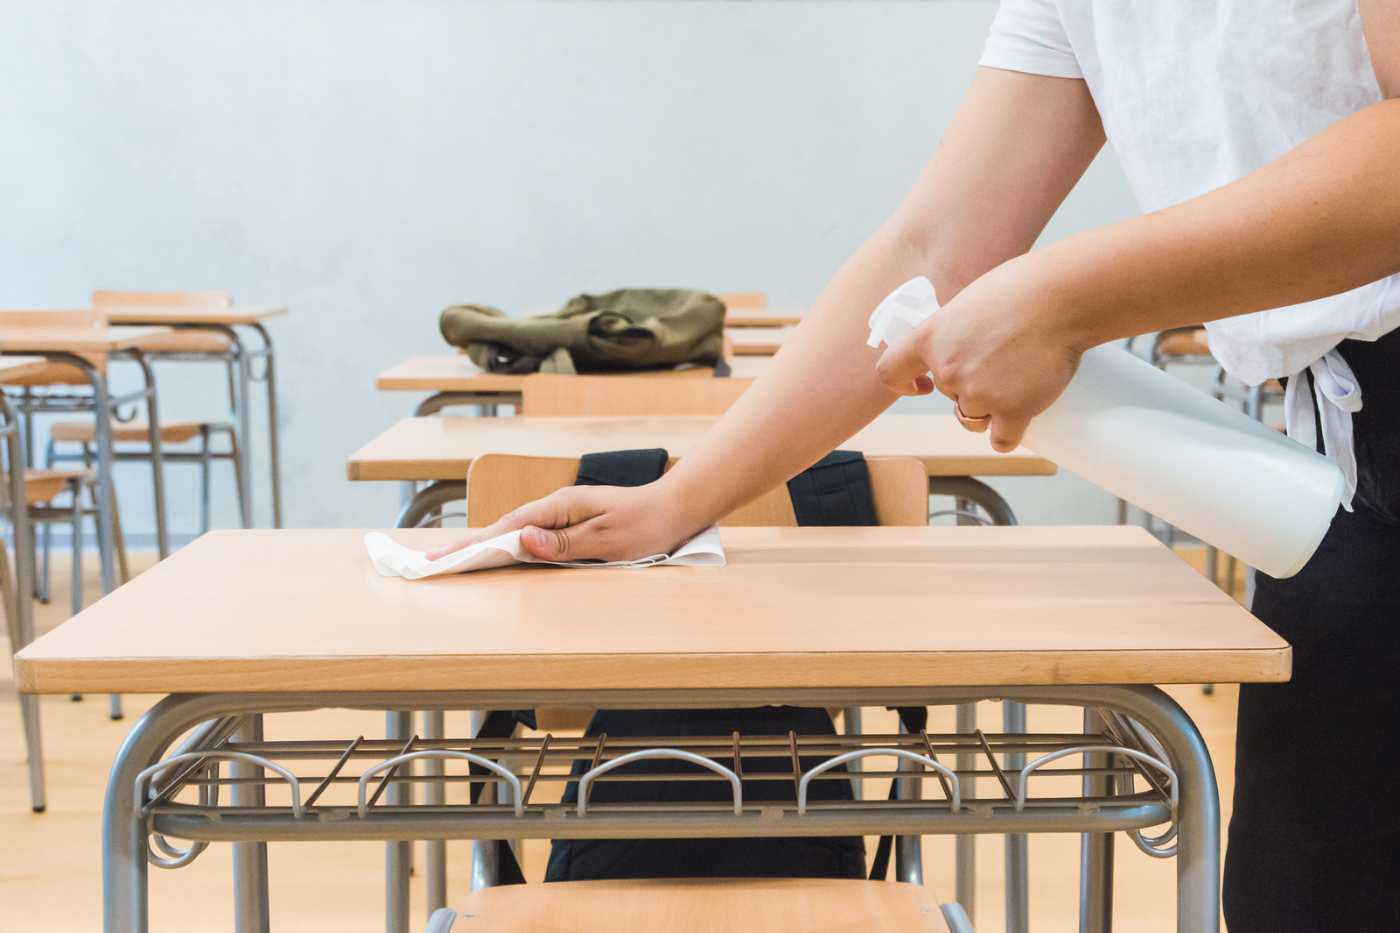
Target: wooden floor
x=50 y=872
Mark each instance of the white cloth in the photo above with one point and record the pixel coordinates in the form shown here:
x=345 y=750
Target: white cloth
x=1195 y=94
x=392 y=559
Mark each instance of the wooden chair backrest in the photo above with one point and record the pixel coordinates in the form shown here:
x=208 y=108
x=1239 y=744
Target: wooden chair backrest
x=747 y=301
x=499 y=483
x=552 y=395
x=115 y=298
x=55 y=373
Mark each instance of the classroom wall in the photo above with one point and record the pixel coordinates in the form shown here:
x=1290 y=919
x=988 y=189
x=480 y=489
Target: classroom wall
x=368 y=163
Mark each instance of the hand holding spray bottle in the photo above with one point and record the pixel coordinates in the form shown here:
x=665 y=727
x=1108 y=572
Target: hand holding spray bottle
x=1171 y=450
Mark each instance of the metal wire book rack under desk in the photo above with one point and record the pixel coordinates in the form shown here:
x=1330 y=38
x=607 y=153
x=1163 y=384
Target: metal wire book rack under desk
x=961 y=783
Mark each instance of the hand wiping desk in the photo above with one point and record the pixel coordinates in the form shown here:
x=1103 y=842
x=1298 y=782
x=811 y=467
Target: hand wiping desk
x=392 y=559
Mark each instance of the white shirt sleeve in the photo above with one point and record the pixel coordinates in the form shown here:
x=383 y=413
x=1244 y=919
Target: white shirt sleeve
x=1028 y=36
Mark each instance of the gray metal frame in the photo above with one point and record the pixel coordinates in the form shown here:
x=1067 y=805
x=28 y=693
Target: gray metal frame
x=129 y=822
x=105 y=407
x=241 y=379
x=18 y=595
x=204 y=457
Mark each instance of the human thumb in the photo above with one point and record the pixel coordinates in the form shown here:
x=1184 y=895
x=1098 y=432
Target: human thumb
x=547 y=543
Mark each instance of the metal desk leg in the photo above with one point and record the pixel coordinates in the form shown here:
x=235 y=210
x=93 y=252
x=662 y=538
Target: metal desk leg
x=1017 y=845
x=435 y=863
x=274 y=451
x=908 y=851
x=486 y=869
x=244 y=416
x=20 y=615
x=250 y=903
x=485 y=408
x=398 y=725
x=157 y=467
x=396 y=869
x=429 y=500
x=852 y=722
x=1095 y=850
x=103 y=491
x=965 y=846
x=970 y=491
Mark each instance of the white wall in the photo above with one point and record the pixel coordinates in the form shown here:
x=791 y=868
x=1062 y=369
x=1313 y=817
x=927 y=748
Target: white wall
x=368 y=163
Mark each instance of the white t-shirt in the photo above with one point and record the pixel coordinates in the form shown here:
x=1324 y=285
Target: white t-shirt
x=1194 y=94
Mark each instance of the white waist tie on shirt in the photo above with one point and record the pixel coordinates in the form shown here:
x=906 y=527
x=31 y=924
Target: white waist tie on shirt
x=1334 y=398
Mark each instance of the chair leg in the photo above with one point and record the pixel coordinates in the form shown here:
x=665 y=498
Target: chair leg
x=236 y=455
x=204 y=479
x=123 y=567
x=41 y=591
x=76 y=523
x=114 y=702
x=28 y=703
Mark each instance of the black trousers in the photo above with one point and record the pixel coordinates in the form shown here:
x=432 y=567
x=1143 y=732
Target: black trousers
x=1314 y=839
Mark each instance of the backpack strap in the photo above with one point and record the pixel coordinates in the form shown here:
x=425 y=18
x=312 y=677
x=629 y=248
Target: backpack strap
x=621 y=468
x=834 y=491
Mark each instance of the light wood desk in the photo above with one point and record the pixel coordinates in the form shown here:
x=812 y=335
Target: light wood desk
x=1069 y=616
x=440 y=450
x=43 y=339
x=749 y=367
x=18 y=367
x=443 y=448
x=758 y=341
x=453 y=379
x=227 y=320
x=696 y=905
x=1092 y=605
x=762 y=317
x=189 y=316
x=75 y=345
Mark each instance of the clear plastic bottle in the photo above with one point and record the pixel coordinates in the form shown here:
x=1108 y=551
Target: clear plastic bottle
x=1171 y=450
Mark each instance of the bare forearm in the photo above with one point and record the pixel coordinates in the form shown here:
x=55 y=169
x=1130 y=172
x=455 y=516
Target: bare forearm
x=983 y=198
x=1320 y=220
x=820 y=390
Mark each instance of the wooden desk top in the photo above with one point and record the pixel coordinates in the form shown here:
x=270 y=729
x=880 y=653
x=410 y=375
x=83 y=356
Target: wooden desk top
x=74 y=339
x=270 y=610
x=455 y=372
x=233 y=314
x=17 y=367
x=762 y=317
x=444 y=447
x=444 y=372
x=757 y=341
x=749 y=367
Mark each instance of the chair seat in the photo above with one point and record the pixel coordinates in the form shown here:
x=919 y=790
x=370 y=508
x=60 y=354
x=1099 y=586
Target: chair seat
x=1184 y=343
x=53 y=374
x=695 y=905
x=85 y=432
x=188 y=341
x=43 y=485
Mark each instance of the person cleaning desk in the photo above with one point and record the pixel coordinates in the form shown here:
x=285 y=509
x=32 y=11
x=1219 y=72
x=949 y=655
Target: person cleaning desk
x=1263 y=143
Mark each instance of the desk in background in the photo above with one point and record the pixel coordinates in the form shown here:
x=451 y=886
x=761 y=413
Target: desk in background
x=439 y=451
x=227 y=320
